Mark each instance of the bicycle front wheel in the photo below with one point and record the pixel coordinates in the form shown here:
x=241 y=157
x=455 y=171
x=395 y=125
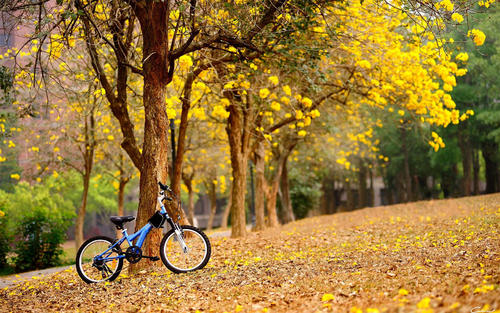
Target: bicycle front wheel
x=180 y=258
x=95 y=262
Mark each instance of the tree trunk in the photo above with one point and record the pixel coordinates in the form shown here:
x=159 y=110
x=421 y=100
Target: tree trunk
x=238 y=146
x=80 y=218
x=350 y=196
x=260 y=186
x=188 y=181
x=406 y=164
x=466 y=151
x=475 y=170
x=213 y=205
x=88 y=159
x=227 y=209
x=286 y=202
x=362 y=175
x=371 y=201
x=153 y=17
x=121 y=196
x=490 y=155
x=181 y=139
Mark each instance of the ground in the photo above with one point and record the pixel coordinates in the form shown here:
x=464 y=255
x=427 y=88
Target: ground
x=430 y=256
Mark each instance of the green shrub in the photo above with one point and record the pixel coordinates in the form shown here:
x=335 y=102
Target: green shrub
x=4 y=241
x=37 y=218
x=40 y=244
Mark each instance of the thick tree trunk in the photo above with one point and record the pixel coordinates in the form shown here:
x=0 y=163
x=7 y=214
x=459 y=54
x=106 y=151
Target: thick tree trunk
x=260 y=186
x=153 y=19
x=238 y=144
x=286 y=202
x=272 y=216
x=227 y=209
x=213 y=205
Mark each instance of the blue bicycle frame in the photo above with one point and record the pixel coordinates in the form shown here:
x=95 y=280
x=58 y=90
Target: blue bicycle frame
x=141 y=234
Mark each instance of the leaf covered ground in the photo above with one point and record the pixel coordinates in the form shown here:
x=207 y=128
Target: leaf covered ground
x=432 y=256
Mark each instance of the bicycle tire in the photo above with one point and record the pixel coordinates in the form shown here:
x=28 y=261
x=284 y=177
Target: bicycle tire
x=84 y=270
x=201 y=262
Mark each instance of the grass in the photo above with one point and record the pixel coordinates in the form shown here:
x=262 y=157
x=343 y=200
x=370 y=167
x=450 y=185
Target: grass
x=429 y=256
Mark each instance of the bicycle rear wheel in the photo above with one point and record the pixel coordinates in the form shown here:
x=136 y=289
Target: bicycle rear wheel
x=196 y=255
x=93 y=265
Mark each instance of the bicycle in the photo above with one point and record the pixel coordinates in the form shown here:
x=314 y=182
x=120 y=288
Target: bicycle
x=183 y=248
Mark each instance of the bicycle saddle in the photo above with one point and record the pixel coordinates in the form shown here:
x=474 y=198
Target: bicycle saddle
x=119 y=220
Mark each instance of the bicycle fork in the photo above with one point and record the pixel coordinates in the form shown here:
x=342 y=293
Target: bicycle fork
x=180 y=238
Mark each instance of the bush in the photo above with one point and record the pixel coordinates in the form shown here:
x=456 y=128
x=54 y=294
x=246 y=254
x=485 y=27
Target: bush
x=4 y=241
x=305 y=191
x=42 y=236
x=37 y=217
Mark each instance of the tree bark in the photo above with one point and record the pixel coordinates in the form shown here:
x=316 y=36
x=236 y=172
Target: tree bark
x=286 y=202
x=80 y=218
x=475 y=170
x=188 y=181
x=406 y=164
x=238 y=134
x=213 y=205
x=260 y=186
x=227 y=209
x=466 y=151
x=153 y=17
x=362 y=175
x=350 y=196
x=121 y=199
x=490 y=155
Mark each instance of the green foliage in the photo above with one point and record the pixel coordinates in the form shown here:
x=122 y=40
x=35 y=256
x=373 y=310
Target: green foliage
x=305 y=191
x=4 y=242
x=36 y=218
x=41 y=235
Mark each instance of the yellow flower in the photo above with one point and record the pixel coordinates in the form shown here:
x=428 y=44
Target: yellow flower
x=364 y=64
x=275 y=106
x=264 y=92
x=424 y=303
x=307 y=102
x=403 y=292
x=302 y=133
x=2 y=213
x=185 y=62
x=463 y=56
x=274 y=80
x=287 y=90
x=15 y=176
x=477 y=36
x=327 y=297
x=457 y=17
